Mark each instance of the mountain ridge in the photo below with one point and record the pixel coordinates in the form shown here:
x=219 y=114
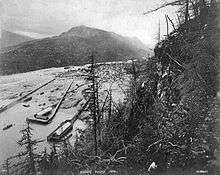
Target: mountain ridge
x=69 y=48
x=11 y=39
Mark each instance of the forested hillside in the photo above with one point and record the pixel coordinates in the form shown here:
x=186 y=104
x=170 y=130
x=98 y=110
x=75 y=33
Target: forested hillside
x=69 y=48
x=169 y=115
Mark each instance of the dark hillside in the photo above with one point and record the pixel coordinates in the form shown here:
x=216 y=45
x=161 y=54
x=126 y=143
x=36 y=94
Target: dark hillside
x=70 y=48
x=169 y=116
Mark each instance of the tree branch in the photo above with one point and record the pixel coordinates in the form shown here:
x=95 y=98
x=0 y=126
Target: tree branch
x=174 y=3
x=155 y=143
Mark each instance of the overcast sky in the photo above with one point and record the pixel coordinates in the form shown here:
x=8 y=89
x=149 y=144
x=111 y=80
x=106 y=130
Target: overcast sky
x=41 y=18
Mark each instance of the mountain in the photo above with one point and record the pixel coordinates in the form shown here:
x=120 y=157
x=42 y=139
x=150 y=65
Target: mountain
x=12 y=39
x=136 y=42
x=69 y=48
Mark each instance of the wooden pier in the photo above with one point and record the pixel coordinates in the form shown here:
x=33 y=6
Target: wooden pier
x=50 y=118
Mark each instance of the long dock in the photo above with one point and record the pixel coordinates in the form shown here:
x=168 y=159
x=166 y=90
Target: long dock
x=42 y=121
x=58 y=105
x=79 y=112
x=23 y=97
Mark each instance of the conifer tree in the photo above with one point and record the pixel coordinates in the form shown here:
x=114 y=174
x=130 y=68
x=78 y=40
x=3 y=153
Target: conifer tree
x=29 y=156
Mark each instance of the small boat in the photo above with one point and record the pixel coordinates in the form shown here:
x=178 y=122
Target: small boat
x=61 y=131
x=7 y=127
x=42 y=116
x=44 y=113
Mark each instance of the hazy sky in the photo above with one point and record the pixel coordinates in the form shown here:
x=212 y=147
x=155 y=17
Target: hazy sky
x=40 y=18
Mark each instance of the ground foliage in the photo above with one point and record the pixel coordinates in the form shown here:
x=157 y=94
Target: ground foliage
x=167 y=115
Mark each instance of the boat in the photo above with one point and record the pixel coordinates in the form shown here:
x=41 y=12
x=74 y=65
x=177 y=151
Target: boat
x=7 y=127
x=46 y=115
x=42 y=116
x=61 y=131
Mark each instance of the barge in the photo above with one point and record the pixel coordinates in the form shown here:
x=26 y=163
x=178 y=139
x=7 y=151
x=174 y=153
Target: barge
x=42 y=116
x=61 y=131
x=46 y=115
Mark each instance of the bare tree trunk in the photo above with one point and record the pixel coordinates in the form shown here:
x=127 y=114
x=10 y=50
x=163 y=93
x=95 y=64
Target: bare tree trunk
x=131 y=123
x=171 y=22
x=134 y=77
x=98 y=114
x=187 y=11
x=178 y=18
x=158 y=32
x=29 y=147
x=167 y=25
x=110 y=104
x=203 y=12
x=94 y=103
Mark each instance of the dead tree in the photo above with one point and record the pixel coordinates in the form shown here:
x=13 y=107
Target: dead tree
x=131 y=121
x=171 y=22
x=94 y=103
x=110 y=104
x=167 y=25
x=158 y=32
x=187 y=11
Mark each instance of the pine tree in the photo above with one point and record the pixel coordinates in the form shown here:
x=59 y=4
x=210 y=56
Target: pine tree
x=28 y=156
x=44 y=163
